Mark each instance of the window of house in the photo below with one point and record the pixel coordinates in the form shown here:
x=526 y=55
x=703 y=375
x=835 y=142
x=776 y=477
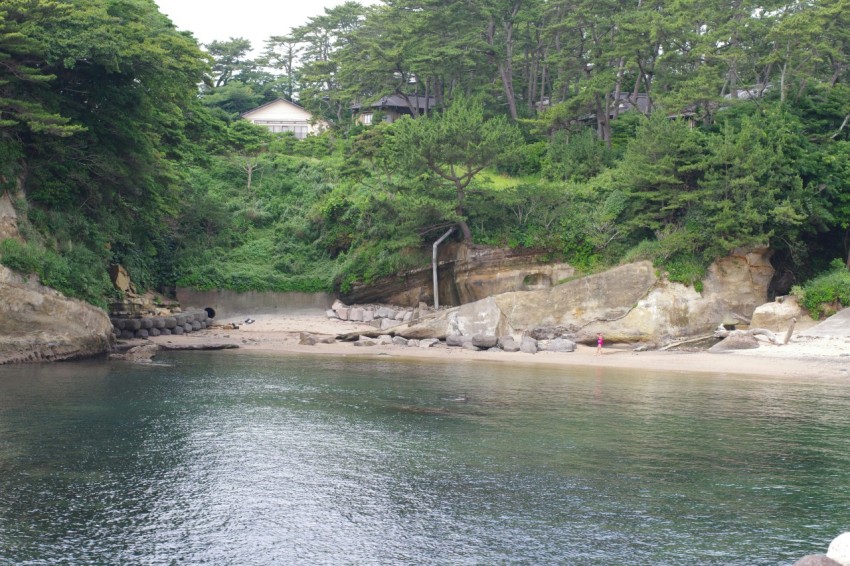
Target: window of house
x=367 y=119
x=278 y=127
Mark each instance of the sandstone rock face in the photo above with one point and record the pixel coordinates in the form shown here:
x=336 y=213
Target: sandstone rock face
x=602 y=298
x=466 y=274
x=481 y=272
x=39 y=324
x=629 y=303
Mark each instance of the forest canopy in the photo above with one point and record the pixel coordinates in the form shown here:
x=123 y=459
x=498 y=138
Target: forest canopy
x=594 y=132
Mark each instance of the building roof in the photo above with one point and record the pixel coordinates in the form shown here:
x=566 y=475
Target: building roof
x=398 y=101
x=273 y=102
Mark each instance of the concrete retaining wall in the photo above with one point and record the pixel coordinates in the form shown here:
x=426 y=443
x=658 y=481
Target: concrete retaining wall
x=230 y=304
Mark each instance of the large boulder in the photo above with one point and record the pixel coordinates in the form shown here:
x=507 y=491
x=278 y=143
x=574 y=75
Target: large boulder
x=560 y=345
x=816 y=560
x=480 y=317
x=839 y=549
x=508 y=344
x=121 y=279
x=142 y=354
x=528 y=345
x=735 y=342
x=778 y=315
x=40 y=324
x=484 y=340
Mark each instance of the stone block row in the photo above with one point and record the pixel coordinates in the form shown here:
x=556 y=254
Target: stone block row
x=508 y=343
x=478 y=342
x=382 y=317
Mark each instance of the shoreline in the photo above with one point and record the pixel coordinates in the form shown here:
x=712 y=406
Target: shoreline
x=808 y=359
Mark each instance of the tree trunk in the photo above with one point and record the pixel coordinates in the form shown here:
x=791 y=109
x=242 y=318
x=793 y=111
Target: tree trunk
x=464 y=229
x=505 y=64
x=848 y=260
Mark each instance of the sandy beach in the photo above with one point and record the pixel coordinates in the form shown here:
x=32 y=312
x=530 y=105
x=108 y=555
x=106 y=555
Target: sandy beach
x=803 y=358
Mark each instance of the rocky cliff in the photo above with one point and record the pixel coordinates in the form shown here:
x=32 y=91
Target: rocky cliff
x=630 y=303
x=8 y=218
x=465 y=274
x=40 y=324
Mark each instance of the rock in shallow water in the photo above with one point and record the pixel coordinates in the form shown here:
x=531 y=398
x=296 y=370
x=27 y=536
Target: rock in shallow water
x=839 y=549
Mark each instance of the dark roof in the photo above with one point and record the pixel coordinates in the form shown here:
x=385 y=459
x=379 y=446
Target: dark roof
x=628 y=102
x=398 y=101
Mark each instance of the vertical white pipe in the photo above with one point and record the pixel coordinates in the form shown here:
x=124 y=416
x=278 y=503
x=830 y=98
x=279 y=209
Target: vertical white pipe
x=434 y=266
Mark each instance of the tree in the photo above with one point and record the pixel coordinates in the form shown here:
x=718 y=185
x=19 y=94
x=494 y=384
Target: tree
x=23 y=78
x=321 y=37
x=230 y=59
x=659 y=173
x=281 y=54
x=117 y=81
x=233 y=98
x=248 y=142
x=455 y=145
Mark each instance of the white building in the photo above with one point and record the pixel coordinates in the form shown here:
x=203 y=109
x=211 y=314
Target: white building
x=282 y=115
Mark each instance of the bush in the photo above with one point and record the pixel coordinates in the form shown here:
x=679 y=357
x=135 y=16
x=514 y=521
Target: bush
x=826 y=293
x=527 y=160
x=673 y=255
x=81 y=274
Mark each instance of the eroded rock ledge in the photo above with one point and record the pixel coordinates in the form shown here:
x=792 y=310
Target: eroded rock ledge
x=38 y=323
x=631 y=303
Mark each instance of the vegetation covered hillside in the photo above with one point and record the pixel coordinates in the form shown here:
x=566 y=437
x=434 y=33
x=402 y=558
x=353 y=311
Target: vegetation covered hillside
x=594 y=132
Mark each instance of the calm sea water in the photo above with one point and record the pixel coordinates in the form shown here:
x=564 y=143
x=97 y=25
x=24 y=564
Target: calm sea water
x=251 y=459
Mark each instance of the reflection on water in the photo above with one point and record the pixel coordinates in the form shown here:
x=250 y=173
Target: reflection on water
x=259 y=460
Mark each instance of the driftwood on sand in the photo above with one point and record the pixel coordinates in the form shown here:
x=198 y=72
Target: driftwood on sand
x=722 y=332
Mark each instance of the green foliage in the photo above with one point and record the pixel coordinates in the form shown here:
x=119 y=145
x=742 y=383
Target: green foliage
x=233 y=98
x=78 y=273
x=676 y=252
x=575 y=157
x=455 y=146
x=825 y=294
x=528 y=160
x=120 y=160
